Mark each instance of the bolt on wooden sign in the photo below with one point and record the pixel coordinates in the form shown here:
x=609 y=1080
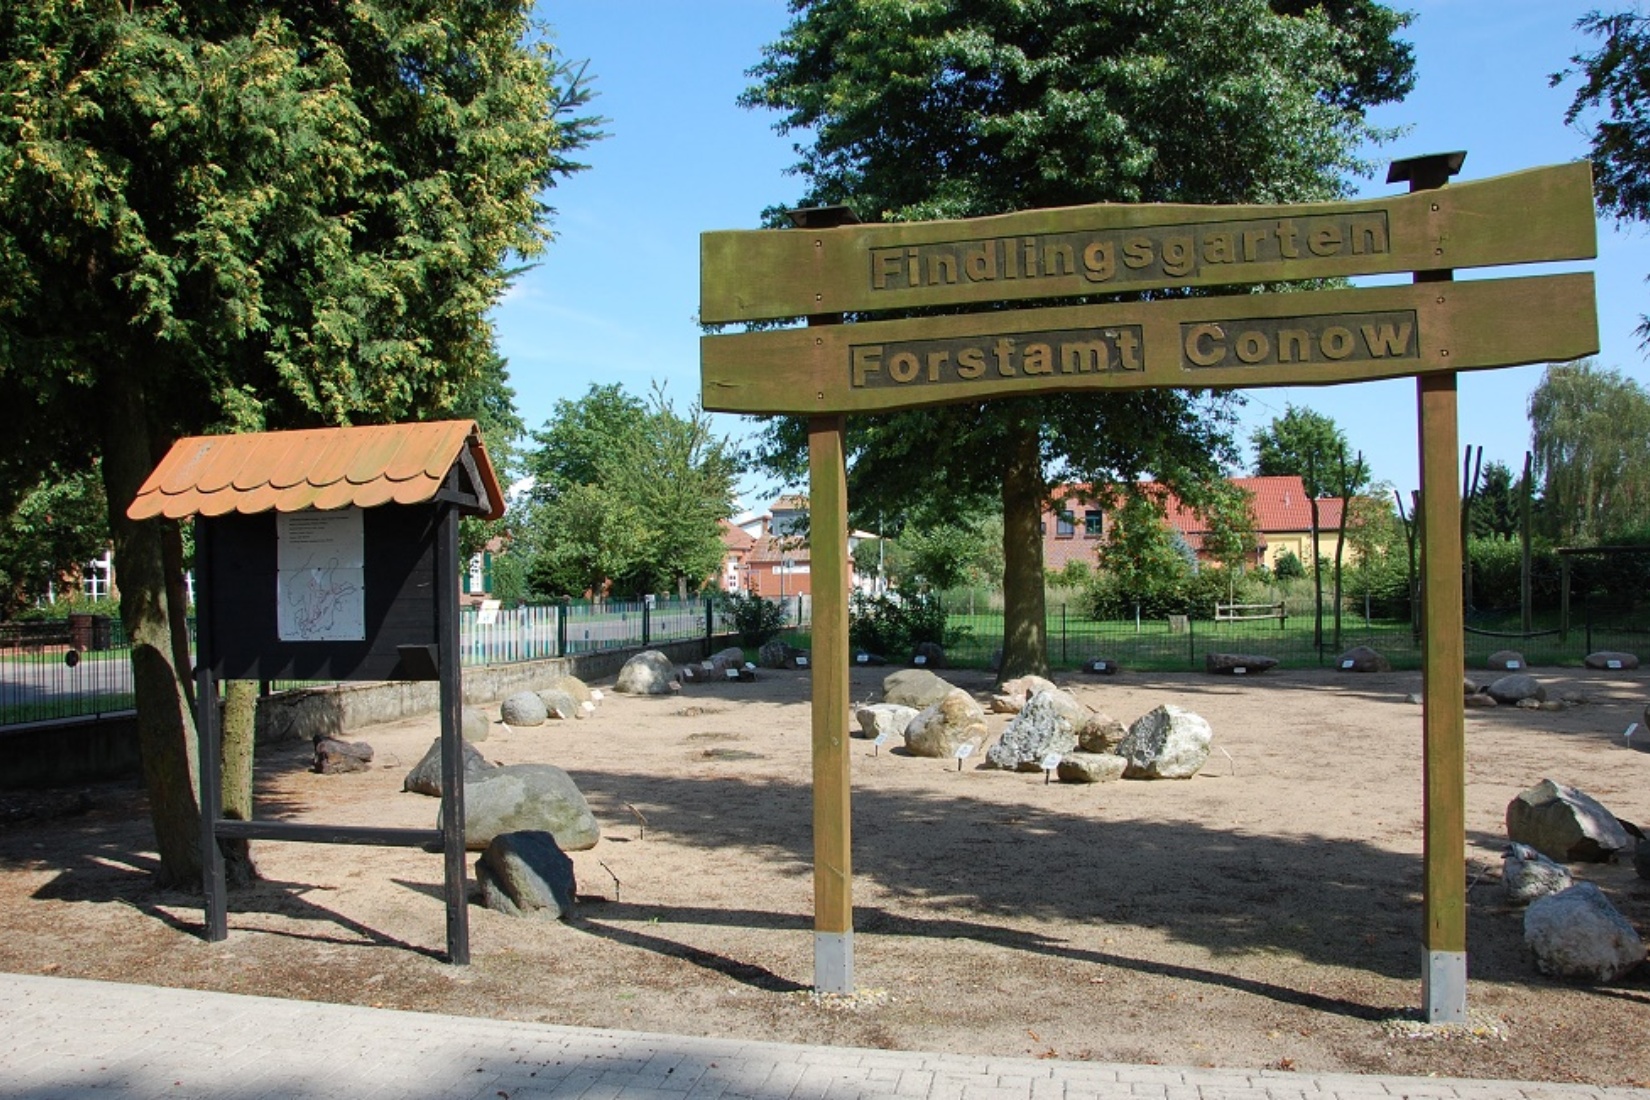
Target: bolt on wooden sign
x=1222 y=340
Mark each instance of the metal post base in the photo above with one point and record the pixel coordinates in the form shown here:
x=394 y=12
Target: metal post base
x=1444 y=986
x=834 y=962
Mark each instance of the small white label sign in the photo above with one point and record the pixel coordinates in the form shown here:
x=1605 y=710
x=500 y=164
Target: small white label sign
x=1512 y=664
x=881 y=738
x=964 y=751
x=732 y=674
x=920 y=659
x=1100 y=666
x=1050 y=762
x=1612 y=663
x=802 y=662
x=863 y=658
x=1240 y=670
x=1348 y=663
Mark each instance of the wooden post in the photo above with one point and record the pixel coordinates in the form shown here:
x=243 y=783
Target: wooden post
x=828 y=569
x=452 y=740
x=1444 y=973
x=209 y=748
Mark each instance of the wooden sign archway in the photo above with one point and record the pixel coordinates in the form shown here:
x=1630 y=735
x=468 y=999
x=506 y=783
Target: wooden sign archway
x=1431 y=329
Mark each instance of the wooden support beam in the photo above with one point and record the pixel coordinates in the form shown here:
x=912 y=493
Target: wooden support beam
x=1443 y=657
x=833 y=860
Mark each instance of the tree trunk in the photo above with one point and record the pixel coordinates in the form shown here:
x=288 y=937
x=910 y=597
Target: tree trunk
x=166 y=726
x=240 y=711
x=1025 y=623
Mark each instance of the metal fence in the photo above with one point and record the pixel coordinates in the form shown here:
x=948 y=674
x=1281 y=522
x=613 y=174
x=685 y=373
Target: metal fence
x=1183 y=643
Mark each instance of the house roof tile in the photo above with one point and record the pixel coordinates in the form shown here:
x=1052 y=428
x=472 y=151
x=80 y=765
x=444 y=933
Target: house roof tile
x=323 y=468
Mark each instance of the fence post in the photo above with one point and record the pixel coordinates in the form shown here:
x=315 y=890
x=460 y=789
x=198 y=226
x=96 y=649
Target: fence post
x=561 y=627
x=1191 y=643
x=647 y=622
x=1588 y=610
x=710 y=625
x=1063 y=657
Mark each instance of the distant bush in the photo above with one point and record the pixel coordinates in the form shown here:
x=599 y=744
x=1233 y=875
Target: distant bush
x=757 y=620
x=892 y=625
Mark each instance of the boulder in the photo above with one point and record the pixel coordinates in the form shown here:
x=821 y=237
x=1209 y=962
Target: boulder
x=876 y=719
x=572 y=685
x=1167 y=743
x=1048 y=723
x=1611 y=660
x=776 y=654
x=1641 y=859
x=723 y=659
x=425 y=777
x=952 y=721
x=1100 y=733
x=333 y=756
x=1237 y=664
x=1476 y=699
x=914 y=687
x=524 y=708
x=473 y=724
x=928 y=655
x=1506 y=660
x=527 y=797
x=1578 y=934
x=1526 y=874
x=1090 y=767
x=524 y=874
x=1012 y=695
x=1361 y=658
x=648 y=673
x=559 y=704
x=1565 y=824
x=1100 y=666
x=1469 y=686
x=1514 y=689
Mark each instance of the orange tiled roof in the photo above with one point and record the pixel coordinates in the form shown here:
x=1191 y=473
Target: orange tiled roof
x=322 y=468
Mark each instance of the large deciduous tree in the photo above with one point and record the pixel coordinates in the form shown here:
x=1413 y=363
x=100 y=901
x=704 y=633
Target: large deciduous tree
x=629 y=497
x=947 y=109
x=1615 y=80
x=1590 y=433
x=262 y=214
x=1304 y=443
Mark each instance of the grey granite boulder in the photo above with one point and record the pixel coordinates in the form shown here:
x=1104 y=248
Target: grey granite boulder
x=1578 y=934
x=1237 y=664
x=1090 y=767
x=527 y=797
x=1611 y=660
x=525 y=874
x=1048 y=723
x=1565 y=824
x=648 y=673
x=1361 y=658
x=333 y=756
x=914 y=687
x=1526 y=874
x=1513 y=689
x=952 y=721
x=777 y=654
x=724 y=659
x=559 y=704
x=524 y=708
x=1166 y=743
x=1012 y=695
x=1506 y=660
x=572 y=685
x=876 y=719
x=425 y=776
x=473 y=724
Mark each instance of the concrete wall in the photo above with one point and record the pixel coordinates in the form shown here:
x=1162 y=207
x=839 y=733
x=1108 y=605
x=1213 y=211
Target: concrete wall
x=84 y=750
x=335 y=710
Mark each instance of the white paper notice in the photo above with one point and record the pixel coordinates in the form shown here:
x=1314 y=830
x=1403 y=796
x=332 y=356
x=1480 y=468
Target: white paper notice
x=320 y=589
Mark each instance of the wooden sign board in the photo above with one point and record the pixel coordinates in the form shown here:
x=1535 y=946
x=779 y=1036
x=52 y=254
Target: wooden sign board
x=1242 y=340
x=1543 y=214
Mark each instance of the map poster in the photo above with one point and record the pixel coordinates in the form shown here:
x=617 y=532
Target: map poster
x=320 y=590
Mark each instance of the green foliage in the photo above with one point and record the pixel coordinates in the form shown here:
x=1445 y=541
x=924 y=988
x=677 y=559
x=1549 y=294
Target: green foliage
x=1289 y=567
x=630 y=497
x=894 y=625
x=948 y=109
x=1305 y=443
x=1076 y=573
x=758 y=620
x=950 y=554
x=1590 y=431
x=54 y=529
x=1615 y=79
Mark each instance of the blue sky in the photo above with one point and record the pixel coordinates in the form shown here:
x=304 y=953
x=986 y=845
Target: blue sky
x=614 y=299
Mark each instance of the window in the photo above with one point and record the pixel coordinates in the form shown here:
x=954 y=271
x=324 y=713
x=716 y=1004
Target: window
x=1094 y=522
x=1065 y=525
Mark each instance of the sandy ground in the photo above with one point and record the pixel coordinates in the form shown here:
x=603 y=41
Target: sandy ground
x=1265 y=913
